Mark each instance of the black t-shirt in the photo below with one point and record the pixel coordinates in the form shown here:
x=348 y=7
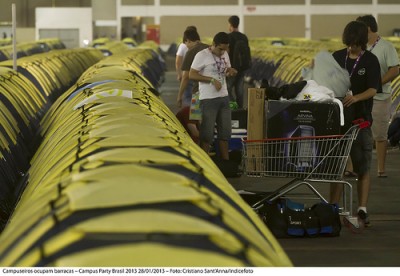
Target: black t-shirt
x=233 y=37
x=366 y=74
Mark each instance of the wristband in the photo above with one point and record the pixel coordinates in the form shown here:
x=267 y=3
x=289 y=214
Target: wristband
x=212 y=81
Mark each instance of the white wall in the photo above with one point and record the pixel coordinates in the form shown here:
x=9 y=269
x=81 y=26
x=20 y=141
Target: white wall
x=25 y=34
x=241 y=9
x=7 y=30
x=66 y=18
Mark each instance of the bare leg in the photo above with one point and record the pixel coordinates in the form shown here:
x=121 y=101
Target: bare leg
x=224 y=149
x=381 y=155
x=349 y=165
x=363 y=185
x=336 y=191
x=205 y=146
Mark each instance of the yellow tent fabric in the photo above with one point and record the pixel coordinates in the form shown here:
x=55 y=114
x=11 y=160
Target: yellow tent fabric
x=118 y=182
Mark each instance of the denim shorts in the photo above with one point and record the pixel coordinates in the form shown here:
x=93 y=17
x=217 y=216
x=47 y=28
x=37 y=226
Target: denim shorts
x=215 y=113
x=361 y=151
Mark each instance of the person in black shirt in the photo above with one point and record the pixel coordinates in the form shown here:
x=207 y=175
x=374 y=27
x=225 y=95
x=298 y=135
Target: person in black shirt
x=365 y=78
x=236 y=83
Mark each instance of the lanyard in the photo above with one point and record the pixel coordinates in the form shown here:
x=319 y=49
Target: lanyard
x=355 y=63
x=220 y=68
x=376 y=42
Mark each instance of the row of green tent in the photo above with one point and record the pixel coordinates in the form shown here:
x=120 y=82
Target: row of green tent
x=30 y=48
x=116 y=181
x=26 y=95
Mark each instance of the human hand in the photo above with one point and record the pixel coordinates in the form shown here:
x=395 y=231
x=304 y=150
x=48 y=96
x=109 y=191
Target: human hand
x=217 y=84
x=349 y=100
x=231 y=72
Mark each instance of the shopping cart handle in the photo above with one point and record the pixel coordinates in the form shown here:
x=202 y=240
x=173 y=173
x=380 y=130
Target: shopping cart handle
x=361 y=123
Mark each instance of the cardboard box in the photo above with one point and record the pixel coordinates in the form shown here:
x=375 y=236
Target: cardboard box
x=254 y=162
x=256 y=111
x=285 y=119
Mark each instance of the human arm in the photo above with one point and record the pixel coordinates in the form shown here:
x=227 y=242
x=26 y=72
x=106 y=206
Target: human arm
x=178 y=65
x=180 y=54
x=392 y=62
x=390 y=75
x=231 y=72
x=182 y=87
x=371 y=79
x=194 y=131
x=195 y=75
x=351 y=99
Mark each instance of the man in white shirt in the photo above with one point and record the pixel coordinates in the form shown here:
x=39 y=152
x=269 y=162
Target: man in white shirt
x=210 y=68
x=389 y=64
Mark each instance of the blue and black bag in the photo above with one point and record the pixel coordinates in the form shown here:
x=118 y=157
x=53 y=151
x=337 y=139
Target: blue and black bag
x=286 y=218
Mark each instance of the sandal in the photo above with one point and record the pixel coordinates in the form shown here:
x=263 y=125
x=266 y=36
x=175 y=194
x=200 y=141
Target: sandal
x=350 y=174
x=382 y=175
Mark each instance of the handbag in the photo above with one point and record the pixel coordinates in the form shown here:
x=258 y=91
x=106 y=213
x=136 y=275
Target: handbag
x=286 y=218
x=195 y=111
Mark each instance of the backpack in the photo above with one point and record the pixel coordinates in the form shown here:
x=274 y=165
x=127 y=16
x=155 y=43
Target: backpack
x=241 y=56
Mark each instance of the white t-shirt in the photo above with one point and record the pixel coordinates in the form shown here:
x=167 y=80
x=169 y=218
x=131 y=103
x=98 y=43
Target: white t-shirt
x=182 y=49
x=387 y=56
x=210 y=65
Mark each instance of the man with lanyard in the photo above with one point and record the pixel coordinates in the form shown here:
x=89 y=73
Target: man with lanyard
x=210 y=68
x=389 y=63
x=365 y=79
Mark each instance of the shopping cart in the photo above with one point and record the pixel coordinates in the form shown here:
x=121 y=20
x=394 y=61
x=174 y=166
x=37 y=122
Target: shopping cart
x=308 y=160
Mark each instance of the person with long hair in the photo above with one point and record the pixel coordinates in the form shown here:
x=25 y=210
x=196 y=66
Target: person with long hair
x=365 y=79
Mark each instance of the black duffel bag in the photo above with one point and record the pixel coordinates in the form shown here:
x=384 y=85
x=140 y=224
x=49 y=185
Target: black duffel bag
x=286 y=218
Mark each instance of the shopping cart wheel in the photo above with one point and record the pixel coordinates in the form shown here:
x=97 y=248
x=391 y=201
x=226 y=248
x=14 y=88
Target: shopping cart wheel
x=354 y=224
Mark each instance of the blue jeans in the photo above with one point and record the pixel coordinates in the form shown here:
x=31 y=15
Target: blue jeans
x=187 y=94
x=215 y=111
x=236 y=86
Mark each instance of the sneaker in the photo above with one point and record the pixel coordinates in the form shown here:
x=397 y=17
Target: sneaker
x=364 y=217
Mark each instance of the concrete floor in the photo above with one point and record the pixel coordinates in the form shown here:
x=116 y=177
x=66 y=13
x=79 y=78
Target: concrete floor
x=376 y=246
